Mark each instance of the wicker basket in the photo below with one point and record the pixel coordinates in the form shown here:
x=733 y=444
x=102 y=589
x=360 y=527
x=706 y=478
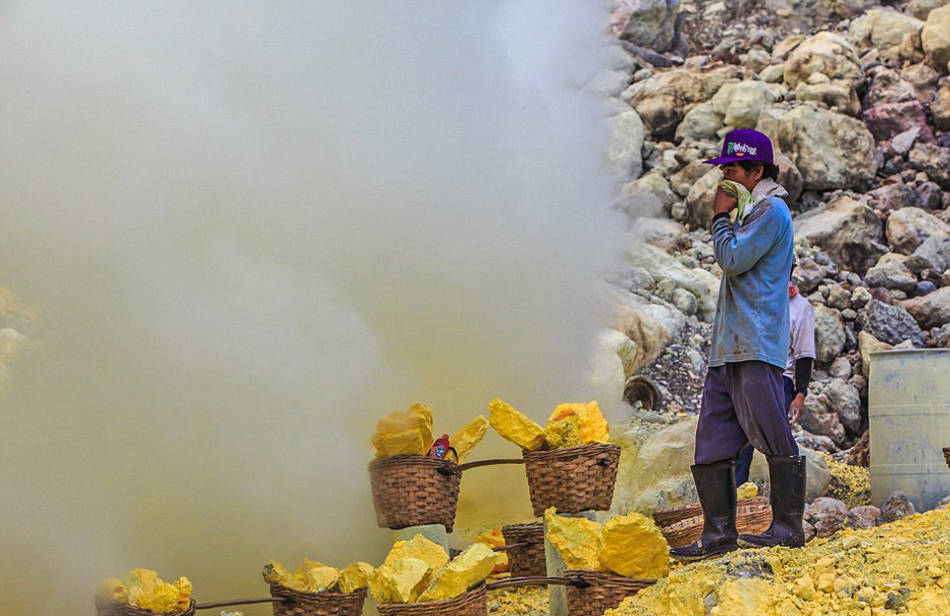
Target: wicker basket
x=300 y=603
x=946 y=455
x=108 y=608
x=753 y=516
x=605 y=591
x=472 y=603
x=667 y=517
x=572 y=479
x=526 y=556
x=414 y=491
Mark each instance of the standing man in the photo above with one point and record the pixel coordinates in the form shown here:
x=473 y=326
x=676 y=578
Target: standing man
x=797 y=375
x=743 y=395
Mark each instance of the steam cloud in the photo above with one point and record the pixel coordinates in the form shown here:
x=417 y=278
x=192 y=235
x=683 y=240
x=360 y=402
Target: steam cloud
x=251 y=230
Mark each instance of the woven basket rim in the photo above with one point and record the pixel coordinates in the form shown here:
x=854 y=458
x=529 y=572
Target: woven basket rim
x=125 y=607
x=277 y=589
x=697 y=520
x=406 y=459
x=479 y=588
x=571 y=452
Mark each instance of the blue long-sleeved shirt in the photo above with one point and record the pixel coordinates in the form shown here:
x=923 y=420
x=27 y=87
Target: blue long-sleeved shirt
x=756 y=258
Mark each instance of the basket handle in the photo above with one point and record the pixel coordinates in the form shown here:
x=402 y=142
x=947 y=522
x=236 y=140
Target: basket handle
x=468 y=465
x=208 y=606
x=538 y=580
x=512 y=546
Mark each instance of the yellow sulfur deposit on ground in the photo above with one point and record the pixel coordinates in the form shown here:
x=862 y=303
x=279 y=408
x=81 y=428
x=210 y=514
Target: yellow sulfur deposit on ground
x=635 y=547
x=404 y=432
x=142 y=588
x=747 y=490
x=401 y=580
x=354 y=576
x=524 y=601
x=578 y=540
x=590 y=421
x=897 y=568
x=429 y=552
x=514 y=426
x=465 y=439
x=469 y=568
x=849 y=484
x=563 y=433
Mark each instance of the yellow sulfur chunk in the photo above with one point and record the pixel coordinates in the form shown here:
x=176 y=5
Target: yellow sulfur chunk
x=514 y=426
x=465 y=439
x=494 y=539
x=590 y=421
x=411 y=442
x=184 y=587
x=402 y=432
x=400 y=581
x=421 y=548
x=578 y=540
x=469 y=568
x=112 y=589
x=563 y=433
x=747 y=490
x=315 y=578
x=354 y=576
x=635 y=547
x=276 y=573
x=147 y=591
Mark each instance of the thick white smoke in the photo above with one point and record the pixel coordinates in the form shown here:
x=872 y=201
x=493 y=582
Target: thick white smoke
x=252 y=229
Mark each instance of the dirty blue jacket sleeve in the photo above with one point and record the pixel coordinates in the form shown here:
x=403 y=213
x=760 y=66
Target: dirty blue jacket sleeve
x=752 y=321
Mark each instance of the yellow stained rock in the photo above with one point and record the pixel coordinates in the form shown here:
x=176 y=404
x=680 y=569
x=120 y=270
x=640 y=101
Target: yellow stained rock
x=354 y=576
x=465 y=439
x=578 y=540
x=276 y=573
x=514 y=426
x=563 y=433
x=421 y=548
x=469 y=568
x=747 y=490
x=590 y=421
x=635 y=547
x=401 y=580
x=404 y=432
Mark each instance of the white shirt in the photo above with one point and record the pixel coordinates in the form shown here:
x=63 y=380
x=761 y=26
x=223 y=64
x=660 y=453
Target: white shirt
x=802 y=325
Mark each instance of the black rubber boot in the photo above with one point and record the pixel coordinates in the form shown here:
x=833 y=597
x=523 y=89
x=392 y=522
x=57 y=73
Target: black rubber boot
x=716 y=485
x=787 y=475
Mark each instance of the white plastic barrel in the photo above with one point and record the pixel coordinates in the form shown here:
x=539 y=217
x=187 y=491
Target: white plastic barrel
x=909 y=417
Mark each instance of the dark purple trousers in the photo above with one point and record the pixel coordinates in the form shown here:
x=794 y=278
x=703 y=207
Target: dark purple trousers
x=743 y=403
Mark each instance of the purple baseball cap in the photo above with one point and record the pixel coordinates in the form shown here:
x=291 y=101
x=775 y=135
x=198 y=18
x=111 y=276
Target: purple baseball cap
x=744 y=144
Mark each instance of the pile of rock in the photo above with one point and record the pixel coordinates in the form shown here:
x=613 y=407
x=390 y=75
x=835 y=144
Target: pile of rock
x=857 y=101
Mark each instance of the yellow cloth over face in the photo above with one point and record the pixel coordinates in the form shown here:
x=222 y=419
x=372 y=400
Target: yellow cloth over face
x=635 y=547
x=465 y=439
x=563 y=433
x=590 y=421
x=354 y=576
x=421 y=548
x=514 y=426
x=400 y=581
x=469 y=568
x=404 y=432
x=578 y=540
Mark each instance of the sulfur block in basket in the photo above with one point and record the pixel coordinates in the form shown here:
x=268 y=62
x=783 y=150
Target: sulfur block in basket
x=563 y=433
x=590 y=421
x=142 y=588
x=635 y=547
x=419 y=547
x=113 y=590
x=400 y=581
x=355 y=575
x=467 y=569
x=312 y=576
x=578 y=540
x=470 y=435
x=514 y=426
x=747 y=490
x=404 y=432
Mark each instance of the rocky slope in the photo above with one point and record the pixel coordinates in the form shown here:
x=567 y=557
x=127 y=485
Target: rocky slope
x=856 y=98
